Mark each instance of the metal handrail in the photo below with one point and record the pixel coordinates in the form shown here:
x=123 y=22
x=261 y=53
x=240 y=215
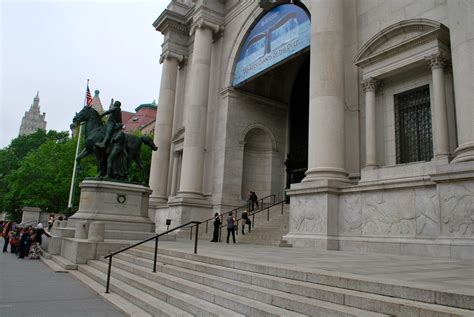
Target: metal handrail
x=235 y=210
x=156 y=248
x=282 y=203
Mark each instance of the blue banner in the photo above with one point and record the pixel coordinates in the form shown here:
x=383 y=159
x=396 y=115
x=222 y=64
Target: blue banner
x=279 y=34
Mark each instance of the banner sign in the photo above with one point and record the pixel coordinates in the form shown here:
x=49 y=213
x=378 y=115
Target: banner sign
x=279 y=34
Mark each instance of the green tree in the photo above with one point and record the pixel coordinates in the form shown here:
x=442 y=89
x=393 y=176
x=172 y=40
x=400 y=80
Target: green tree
x=12 y=155
x=42 y=177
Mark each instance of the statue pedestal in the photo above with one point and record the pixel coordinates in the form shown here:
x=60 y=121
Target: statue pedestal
x=123 y=207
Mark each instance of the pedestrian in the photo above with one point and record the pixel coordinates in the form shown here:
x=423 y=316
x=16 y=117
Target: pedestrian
x=217 y=226
x=245 y=221
x=230 y=226
x=254 y=199
x=250 y=202
x=6 y=235
x=50 y=221
x=24 y=243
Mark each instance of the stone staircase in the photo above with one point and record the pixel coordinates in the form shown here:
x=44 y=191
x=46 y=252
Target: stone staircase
x=264 y=232
x=186 y=284
x=267 y=232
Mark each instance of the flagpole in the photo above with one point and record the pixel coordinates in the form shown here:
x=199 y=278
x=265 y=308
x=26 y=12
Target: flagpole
x=71 y=190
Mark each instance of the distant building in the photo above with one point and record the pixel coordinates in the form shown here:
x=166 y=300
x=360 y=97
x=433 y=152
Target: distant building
x=142 y=120
x=33 y=120
x=96 y=103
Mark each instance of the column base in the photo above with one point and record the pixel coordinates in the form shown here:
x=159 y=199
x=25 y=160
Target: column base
x=156 y=201
x=318 y=173
x=190 y=194
x=464 y=153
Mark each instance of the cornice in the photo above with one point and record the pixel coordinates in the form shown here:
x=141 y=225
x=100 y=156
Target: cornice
x=170 y=21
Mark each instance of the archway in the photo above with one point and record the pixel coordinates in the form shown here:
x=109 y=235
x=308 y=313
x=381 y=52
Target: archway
x=257 y=163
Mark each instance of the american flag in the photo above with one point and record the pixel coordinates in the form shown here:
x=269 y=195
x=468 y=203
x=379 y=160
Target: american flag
x=88 y=96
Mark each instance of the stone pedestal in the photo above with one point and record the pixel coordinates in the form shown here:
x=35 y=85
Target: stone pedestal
x=30 y=215
x=123 y=208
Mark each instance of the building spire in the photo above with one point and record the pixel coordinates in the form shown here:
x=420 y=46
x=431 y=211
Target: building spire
x=37 y=95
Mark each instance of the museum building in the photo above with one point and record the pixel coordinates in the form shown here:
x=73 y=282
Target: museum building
x=360 y=111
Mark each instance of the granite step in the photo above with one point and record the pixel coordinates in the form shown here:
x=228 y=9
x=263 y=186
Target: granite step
x=278 y=298
x=114 y=299
x=218 y=303
x=268 y=274
x=149 y=303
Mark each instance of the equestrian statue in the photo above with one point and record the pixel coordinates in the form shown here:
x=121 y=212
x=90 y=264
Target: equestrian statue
x=113 y=149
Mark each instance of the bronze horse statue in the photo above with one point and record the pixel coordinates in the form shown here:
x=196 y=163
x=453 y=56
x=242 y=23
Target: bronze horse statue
x=94 y=133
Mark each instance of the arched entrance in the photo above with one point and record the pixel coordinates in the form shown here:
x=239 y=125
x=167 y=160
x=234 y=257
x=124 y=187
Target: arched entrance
x=273 y=63
x=257 y=172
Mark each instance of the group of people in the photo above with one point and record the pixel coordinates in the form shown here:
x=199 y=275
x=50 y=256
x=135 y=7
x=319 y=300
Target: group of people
x=24 y=241
x=231 y=225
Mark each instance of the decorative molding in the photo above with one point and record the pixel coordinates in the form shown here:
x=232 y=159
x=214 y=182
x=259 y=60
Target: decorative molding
x=420 y=31
x=369 y=84
x=437 y=60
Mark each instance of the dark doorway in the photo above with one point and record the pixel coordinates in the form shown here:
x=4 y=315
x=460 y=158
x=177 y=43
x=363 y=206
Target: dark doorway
x=297 y=157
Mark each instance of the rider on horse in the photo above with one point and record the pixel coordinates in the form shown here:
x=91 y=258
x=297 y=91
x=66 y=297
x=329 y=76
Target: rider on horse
x=114 y=119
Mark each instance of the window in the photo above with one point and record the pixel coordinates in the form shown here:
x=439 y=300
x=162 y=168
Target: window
x=414 y=140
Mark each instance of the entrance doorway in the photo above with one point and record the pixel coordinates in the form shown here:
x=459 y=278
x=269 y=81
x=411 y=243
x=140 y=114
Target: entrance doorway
x=298 y=121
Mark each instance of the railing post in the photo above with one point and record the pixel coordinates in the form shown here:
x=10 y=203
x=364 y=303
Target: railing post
x=268 y=214
x=274 y=198
x=108 y=275
x=253 y=220
x=206 y=225
x=156 y=251
x=282 y=207
x=196 y=239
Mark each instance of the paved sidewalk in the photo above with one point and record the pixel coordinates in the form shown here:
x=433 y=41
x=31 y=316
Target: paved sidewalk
x=30 y=288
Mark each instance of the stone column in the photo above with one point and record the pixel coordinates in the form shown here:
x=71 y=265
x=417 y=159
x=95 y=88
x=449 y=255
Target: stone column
x=196 y=114
x=368 y=86
x=440 y=131
x=326 y=156
x=461 y=31
x=163 y=128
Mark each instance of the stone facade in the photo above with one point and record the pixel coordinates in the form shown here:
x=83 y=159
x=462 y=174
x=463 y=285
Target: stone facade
x=33 y=119
x=216 y=141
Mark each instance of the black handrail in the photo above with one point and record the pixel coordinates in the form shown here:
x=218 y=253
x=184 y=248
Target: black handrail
x=235 y=210
x=156 y=248
x=282 y=203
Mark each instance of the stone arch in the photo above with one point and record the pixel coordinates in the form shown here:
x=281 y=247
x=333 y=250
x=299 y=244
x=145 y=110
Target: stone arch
x=258 y=160
x=253 y=126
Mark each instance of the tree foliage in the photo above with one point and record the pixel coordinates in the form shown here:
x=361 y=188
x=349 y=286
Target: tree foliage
x=36 y=170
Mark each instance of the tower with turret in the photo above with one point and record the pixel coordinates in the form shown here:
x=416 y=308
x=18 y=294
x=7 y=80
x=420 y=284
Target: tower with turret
x=33 y=119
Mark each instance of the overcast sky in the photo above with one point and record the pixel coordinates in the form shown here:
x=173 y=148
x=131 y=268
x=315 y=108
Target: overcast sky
x=55 y=46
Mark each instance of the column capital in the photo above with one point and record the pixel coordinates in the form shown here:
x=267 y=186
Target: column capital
x=206 y=18
x=437 y=60
x=181 y=59
x=369 y=84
